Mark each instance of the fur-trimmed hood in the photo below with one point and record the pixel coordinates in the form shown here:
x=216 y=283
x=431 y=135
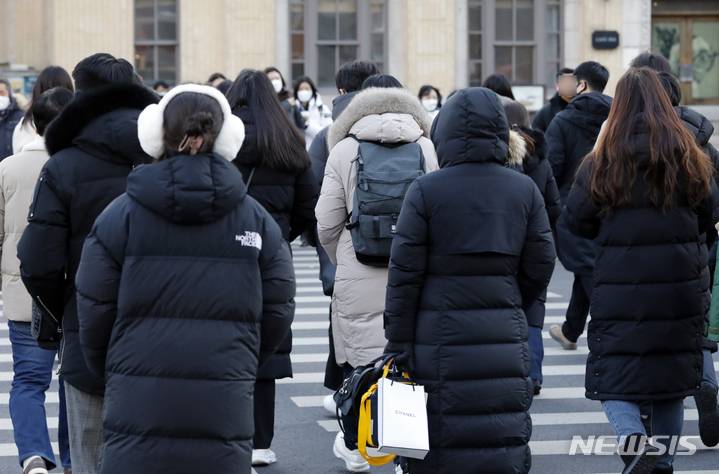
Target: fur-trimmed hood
x=69 y=128
x=519 y=156
x=391 y=114
x=517 y=149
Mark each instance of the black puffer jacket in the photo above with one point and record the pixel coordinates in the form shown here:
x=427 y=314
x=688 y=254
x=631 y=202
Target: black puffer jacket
x=473 y=243
x=570 y=137
x=535 y=165
x=183 y=282
x=94 y=146
x=650 y=290
x=702 y=129
x=289 y=193
x=9 y=118
x=572 y=134
x=547 y=113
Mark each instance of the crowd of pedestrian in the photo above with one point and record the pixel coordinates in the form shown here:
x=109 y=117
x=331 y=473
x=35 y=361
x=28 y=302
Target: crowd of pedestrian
x=146 y=244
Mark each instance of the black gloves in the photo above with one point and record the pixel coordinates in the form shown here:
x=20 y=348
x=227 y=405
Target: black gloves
x=404 y=355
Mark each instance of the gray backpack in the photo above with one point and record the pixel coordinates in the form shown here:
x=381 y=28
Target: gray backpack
x=384 y=173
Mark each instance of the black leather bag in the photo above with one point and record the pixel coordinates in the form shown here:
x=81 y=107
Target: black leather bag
x=46 y=328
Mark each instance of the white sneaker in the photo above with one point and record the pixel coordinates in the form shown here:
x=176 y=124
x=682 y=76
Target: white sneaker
x=398 y=469
x=354 y=462
x=263 y=457
x=330 y=405
x=34 y=465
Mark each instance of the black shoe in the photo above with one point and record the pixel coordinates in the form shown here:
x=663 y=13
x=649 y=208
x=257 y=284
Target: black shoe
x=643 y=462
x=663 y=470
x=706 y=400
x=537 y=387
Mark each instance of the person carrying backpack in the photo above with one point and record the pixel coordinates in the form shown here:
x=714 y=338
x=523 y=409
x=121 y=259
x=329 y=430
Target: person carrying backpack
x=384 y=132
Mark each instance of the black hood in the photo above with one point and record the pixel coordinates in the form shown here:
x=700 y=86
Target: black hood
x=103 y=122
x=340 y=103
x=249 y=154
x=587 y=111
x=471 y=127
x=696 y=123
x=540 y=149
x=188 y=189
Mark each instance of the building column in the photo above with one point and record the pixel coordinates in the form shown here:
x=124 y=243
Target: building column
x=396 y=64
x=282 y=37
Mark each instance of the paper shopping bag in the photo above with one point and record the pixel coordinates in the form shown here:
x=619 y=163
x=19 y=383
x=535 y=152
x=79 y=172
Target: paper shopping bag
x=402 y=427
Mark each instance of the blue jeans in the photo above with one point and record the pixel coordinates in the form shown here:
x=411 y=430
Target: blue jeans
x=32 y=368
x=536 y=353
x=709 y=374
x=665 y=417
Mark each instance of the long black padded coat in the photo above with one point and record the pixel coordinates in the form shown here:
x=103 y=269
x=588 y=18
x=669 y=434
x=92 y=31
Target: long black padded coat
x=289 y=193
x=184 y=287
x=650 y=292
x=473 y=243
x=94 y=146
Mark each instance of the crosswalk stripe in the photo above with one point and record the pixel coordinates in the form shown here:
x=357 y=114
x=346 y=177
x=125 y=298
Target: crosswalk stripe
x=538 y=419
x=321 y=310
x=310 y=401
x=304 y=358
x=313 y=299
x=310 y=341
x=50 y=397
x=322 y=356
x=6 y=423
x=303 y=377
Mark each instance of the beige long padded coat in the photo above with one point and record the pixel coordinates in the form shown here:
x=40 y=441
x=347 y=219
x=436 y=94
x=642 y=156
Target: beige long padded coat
x=380 y=115
x=18 y=175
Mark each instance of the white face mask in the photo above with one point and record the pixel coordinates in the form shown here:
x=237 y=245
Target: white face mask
x=304 y=95
x=430 y=105
x=277 y=84
x=4 y=102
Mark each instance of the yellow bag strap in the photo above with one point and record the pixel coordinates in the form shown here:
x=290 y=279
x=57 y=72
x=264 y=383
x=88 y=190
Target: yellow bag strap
x=364 y=431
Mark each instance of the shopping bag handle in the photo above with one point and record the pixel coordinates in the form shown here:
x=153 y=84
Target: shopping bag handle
x=364 y=430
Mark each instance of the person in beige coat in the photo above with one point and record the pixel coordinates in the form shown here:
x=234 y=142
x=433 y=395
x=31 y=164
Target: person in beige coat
x=32 y=365
x=384 y=115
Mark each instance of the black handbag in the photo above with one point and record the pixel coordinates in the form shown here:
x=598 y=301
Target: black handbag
x=45 y=327
x=349 y=396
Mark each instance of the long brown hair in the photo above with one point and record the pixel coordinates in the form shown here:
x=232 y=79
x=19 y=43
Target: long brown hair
x=676 y=164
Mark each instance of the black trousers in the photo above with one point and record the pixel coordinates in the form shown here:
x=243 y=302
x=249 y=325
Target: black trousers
x=578 y=308
x=334 y=374
x=350 y=422
x=264 y=413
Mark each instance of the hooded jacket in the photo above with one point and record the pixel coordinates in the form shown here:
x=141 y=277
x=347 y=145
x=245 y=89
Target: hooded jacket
x=94 y=146
x=572 y=134
x=160 y=316
x=473 y=246
x=547 y=113
x=650 y=291
x=381 y=115
x=570 y=137
x=289 y=193
x=536 y=166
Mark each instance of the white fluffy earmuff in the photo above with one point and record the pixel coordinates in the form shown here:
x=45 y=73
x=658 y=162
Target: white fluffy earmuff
x=150 y=128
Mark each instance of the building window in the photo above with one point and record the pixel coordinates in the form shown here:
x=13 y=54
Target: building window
x=518 y=38
x=156 y=43
x=474 y=16
x=553 y=48
x=324 y=34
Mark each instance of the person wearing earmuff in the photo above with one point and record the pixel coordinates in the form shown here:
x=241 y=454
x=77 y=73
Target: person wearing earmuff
x=184 y=287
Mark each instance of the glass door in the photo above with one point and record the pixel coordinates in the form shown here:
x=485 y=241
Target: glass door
x=691 y=44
